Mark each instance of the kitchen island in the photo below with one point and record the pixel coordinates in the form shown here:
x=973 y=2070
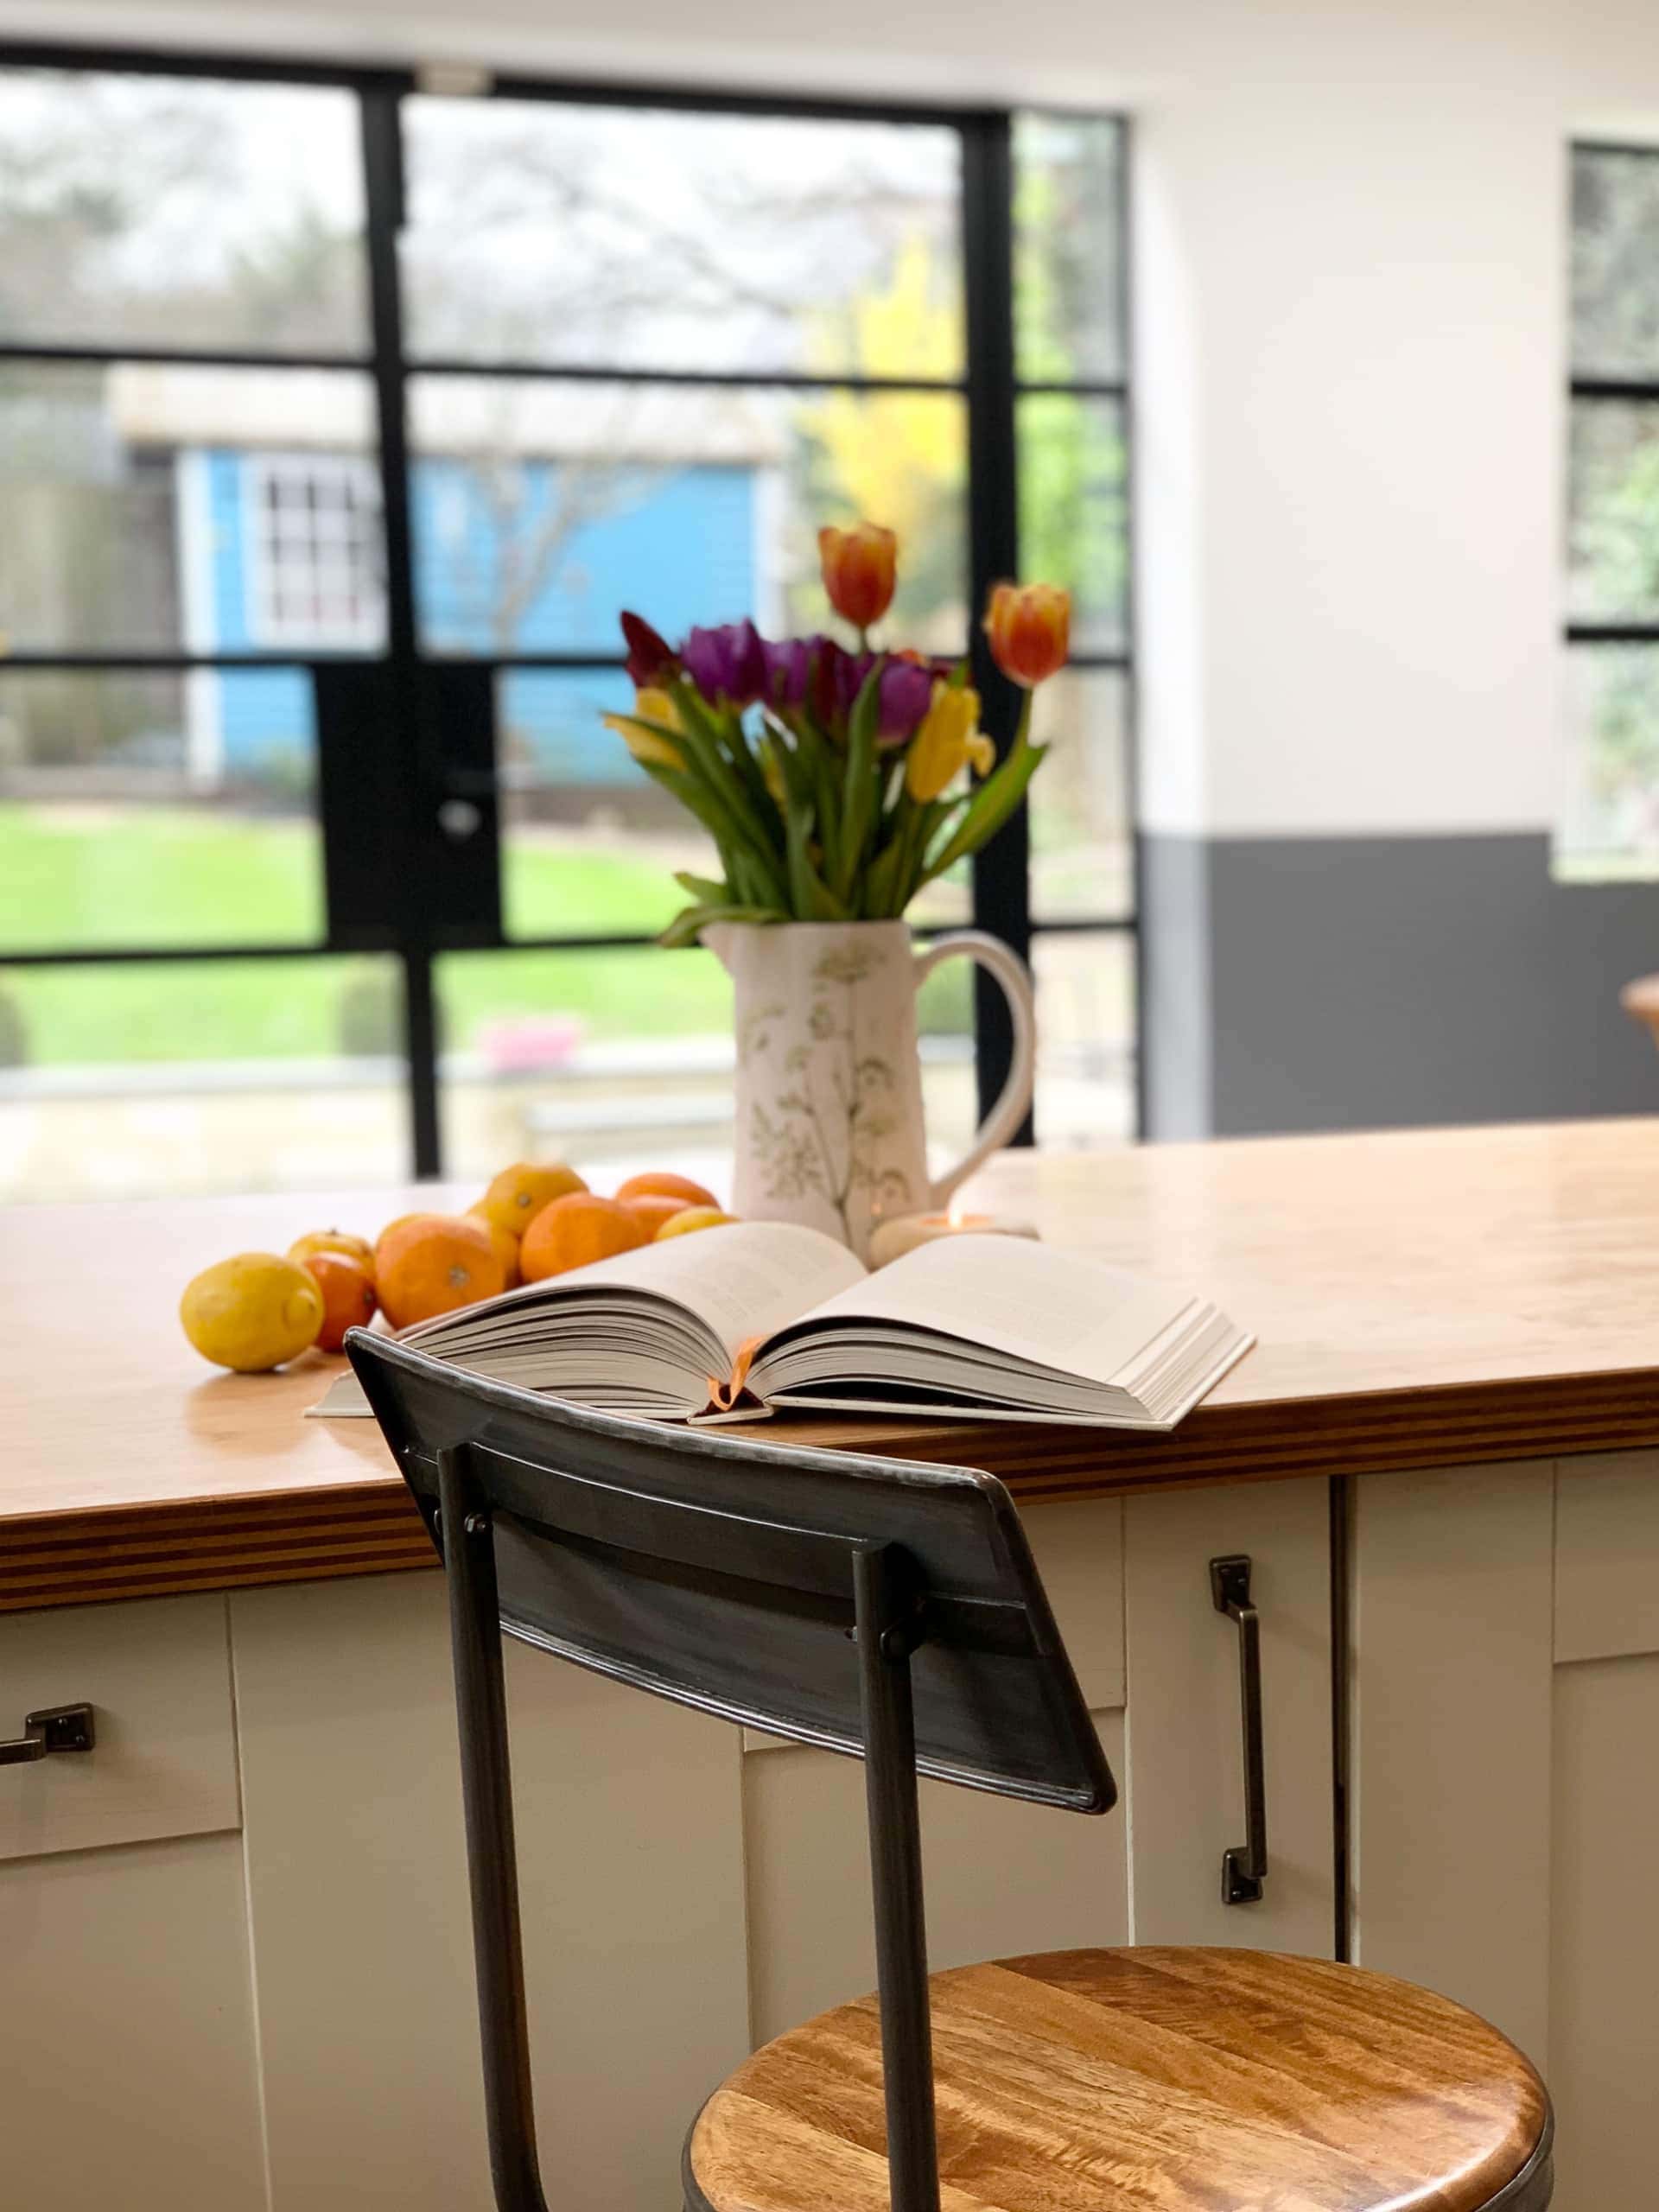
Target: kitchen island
x=235 y=1933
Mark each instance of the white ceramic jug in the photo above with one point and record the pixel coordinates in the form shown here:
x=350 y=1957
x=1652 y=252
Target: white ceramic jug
x=830 y=1126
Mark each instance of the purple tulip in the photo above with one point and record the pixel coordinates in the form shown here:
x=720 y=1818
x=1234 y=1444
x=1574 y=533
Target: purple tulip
x=650 y=656
x=789 y=666
x=727 y=663
x=828 y=695
x=906 y=691
x=808 y=672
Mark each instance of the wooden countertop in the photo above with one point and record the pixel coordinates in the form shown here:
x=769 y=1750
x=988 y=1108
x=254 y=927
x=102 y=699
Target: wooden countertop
x=1422 y=1299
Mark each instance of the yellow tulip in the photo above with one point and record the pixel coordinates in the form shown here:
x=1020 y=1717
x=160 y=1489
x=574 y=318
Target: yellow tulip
x=950 y=739
x=649 y=746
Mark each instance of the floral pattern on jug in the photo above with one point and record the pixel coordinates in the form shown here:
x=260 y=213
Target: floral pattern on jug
x=829 y=1118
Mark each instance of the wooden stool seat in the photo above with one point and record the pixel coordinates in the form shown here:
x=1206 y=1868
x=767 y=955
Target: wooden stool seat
x=1145 y=2080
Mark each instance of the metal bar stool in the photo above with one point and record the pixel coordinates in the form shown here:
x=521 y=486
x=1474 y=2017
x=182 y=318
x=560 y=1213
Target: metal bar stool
x=893 y=1611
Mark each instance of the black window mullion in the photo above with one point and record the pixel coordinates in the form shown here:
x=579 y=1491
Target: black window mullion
x=1001 y=870
x=383 y=172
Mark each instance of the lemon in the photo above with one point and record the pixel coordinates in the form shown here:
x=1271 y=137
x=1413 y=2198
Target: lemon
x=693 y=1219
x=251 y=1312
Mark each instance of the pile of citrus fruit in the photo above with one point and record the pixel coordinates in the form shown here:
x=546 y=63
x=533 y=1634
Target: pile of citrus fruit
x=256 y=1311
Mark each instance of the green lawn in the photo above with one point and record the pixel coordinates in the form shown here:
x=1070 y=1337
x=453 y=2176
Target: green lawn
x=86 y=877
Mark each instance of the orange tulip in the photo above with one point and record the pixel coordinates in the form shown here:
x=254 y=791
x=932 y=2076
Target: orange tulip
x=860 y=568
x=1030 y=629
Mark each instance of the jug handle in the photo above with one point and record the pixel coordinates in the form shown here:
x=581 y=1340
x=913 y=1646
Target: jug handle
x=1005 y=1117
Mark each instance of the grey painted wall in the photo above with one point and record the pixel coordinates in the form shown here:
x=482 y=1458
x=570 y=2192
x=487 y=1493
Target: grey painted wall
x=1351 y=982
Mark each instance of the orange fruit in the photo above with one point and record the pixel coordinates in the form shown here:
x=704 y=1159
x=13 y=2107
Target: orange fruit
x=505 y=1244
x=390 y=1226
x=574 y=1229
x=691 y=1218
x=348 y=1299
x=332 y=1240
x=430 y=1263
x=652 y=1209
x=518 y=1194
x=657 y=1182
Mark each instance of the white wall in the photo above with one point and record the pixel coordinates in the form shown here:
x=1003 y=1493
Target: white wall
x=1350 y=364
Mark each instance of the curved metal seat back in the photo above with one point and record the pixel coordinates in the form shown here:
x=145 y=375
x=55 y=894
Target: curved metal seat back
x=720 y=1572
x=872 y=1607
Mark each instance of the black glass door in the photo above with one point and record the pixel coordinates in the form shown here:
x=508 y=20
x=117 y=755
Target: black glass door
x=341 y=417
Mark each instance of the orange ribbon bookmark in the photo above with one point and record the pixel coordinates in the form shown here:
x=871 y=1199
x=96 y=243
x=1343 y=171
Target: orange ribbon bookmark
x=723 y=1397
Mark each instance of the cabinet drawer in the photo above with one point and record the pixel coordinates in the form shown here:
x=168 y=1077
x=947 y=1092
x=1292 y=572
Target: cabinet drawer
x=164 y=1764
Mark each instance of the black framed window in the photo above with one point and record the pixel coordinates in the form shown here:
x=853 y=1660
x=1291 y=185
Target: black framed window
x=1611 y=822
x=338 y=471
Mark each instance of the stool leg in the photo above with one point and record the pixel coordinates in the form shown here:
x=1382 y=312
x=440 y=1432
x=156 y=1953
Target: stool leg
x=885 y=1626
x=487 y=1792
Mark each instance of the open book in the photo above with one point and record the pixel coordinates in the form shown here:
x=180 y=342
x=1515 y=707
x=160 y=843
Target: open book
x=734 y=1322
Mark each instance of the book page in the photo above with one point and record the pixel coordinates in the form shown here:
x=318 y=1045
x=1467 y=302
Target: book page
x=744 y=1280
x=1027 y=1301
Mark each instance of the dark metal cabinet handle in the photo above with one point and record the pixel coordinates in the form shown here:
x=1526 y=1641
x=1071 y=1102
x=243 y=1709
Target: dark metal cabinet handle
x=59 y=1728
x=1244 y=1869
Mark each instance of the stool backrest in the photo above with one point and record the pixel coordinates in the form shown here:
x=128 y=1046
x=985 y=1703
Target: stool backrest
x=719 y=1572
x=877 y=1607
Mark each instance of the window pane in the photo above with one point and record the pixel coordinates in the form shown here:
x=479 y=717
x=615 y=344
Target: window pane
x=1615 y=264
x=1085 y=1038
x=1068 y=215
x=140 y=512
x=1613 y=530
x=1073 y=511
x=1610 y=819
x=589 y=1056
x=589 y=843
x=618 y=238
x=170 y=810
x=172 y=211
x=541 y=509
x=222 y=1076
x=619 y=1060
x=1082 y=839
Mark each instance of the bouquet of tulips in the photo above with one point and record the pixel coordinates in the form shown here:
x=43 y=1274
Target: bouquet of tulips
x=833 y=782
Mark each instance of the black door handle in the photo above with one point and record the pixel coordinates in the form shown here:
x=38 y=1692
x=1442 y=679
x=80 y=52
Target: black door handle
x=59 y=1728
x=1244 y=1869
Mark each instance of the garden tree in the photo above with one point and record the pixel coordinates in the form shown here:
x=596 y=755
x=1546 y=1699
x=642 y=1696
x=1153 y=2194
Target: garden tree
x=124 y=216
x=572 y=236
x=1616 y=558
x=1615 y=546
x=896 y=458
x=129 y=209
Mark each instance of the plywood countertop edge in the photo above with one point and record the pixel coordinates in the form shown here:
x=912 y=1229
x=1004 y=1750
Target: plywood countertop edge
x=159 y=1547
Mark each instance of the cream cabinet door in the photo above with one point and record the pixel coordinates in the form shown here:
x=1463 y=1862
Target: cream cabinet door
x=1002 y=1878
x=128 y=2069
x=1451 y=1692
x=1506 y=1766
x=631 y=1877
x=1185 y=1749
x=1604 y=1789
